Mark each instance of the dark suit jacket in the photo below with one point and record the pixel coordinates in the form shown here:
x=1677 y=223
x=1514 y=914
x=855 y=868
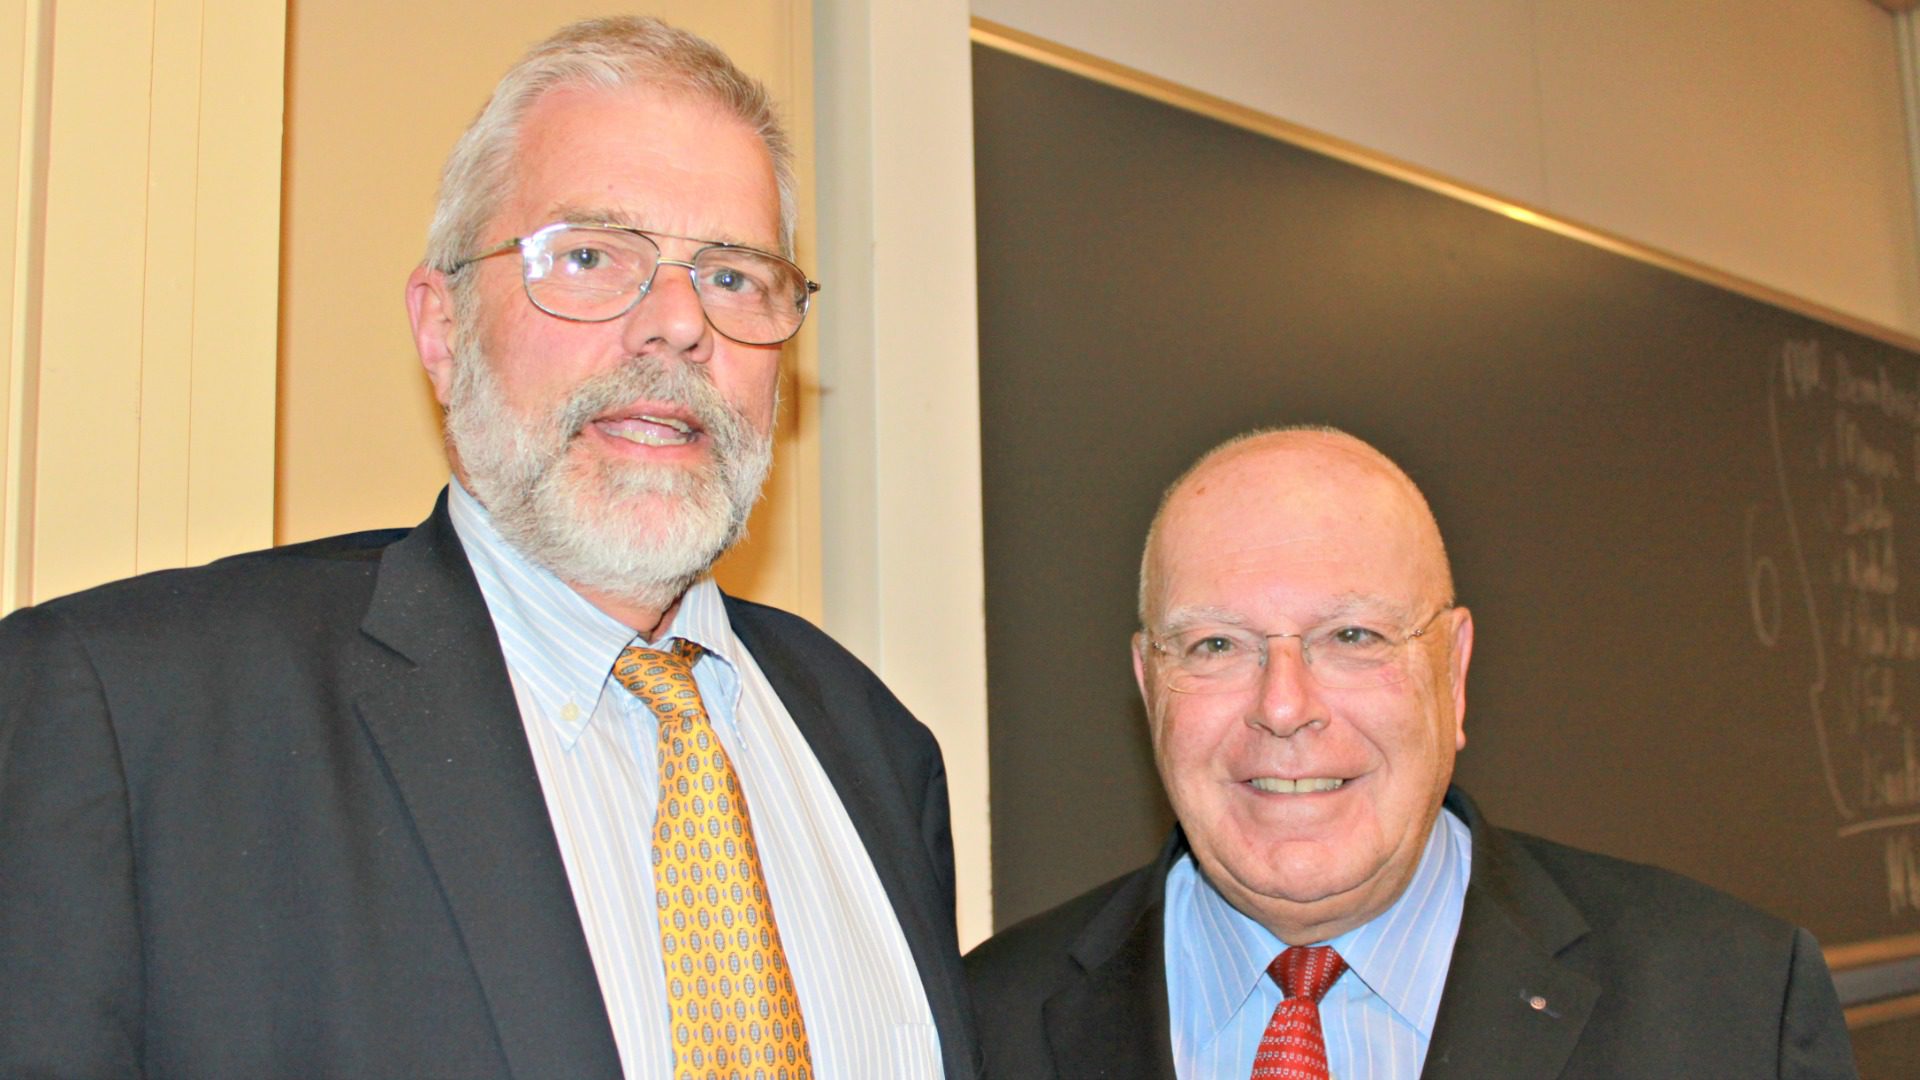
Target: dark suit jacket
x=1645 y=974
x=277 y=817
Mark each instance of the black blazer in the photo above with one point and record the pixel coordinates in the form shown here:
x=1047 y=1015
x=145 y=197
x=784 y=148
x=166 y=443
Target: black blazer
x=277 y=817
x=1644 y=974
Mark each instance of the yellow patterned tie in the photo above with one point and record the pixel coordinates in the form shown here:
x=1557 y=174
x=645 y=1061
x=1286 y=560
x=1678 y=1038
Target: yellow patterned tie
x=733 y=1010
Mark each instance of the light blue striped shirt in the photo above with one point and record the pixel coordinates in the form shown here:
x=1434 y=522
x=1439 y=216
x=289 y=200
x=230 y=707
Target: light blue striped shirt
x=594 y=745
x=1377 y=1018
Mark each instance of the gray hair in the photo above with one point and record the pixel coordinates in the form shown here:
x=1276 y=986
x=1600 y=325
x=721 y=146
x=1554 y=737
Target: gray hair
x=597 y=53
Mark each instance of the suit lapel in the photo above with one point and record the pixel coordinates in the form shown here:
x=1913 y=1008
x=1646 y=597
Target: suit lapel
x=438 y=704
x=1113 y=1024
x=1510 y=1007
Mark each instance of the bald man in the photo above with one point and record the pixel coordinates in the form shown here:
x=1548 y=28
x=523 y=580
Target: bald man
x=1329 y=904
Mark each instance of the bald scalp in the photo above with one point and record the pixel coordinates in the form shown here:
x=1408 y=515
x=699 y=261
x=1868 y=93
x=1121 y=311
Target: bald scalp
x=1273 y=461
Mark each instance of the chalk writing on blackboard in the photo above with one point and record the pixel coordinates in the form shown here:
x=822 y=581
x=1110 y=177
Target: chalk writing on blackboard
x=1845 y=441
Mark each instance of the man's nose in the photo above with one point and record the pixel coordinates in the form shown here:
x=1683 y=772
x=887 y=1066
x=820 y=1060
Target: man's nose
x=1289 y=698
x=669 y=318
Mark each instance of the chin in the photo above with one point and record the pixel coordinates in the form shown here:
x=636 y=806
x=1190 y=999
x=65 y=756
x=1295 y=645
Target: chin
x=1303 y=871
x=644 y=540
x=1307 y=877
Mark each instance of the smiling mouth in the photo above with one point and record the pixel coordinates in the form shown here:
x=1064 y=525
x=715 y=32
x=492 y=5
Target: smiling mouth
x=647 y=429
x=1306 y=785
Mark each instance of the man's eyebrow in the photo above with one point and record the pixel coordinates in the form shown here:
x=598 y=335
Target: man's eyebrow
x=1182 y=618
x=1353 y=603
x=593 y=215
x=1343 y=606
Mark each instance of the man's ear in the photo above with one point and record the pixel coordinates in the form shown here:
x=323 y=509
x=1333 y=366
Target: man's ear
x=1140 y=679
x=1457 y=675
x=1140 y=665
x=430 y=310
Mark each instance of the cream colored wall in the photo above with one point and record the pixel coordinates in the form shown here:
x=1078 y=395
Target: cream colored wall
x=376 y=94
x=900 y=429
x=1764 y=140
x=139 y=190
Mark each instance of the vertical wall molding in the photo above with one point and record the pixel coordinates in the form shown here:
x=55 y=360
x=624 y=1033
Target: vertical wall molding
x=24 y=48
x=144 y=254
x=1906 y=27
x=899 y=372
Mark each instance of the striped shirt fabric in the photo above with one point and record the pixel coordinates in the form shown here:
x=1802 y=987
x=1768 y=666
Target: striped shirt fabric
x=1377 y=1018
x=594 y=747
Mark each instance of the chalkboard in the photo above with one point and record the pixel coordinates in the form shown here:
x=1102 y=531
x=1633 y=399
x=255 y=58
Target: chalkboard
x=1687 y=521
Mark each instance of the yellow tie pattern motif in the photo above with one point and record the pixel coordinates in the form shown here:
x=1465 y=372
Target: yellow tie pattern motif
x=734 y=1013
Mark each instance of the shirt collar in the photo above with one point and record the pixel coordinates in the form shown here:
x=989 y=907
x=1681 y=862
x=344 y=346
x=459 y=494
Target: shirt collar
x=1406 y=969
x=1403 y=953
x=559 y=646
x=1230 y=944
x=702 y=619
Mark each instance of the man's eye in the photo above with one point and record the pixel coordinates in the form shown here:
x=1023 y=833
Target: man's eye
x=1361 y=644
x=1212 y=648
x=733 y=279
x=583 y=260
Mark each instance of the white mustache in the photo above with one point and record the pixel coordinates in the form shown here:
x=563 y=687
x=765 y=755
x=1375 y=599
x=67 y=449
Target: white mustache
x=677 y=384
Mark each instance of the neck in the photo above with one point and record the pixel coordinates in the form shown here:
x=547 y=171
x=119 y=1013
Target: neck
x=647 y=620
x=1303 y=927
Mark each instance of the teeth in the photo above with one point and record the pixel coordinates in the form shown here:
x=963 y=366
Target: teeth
x=680 y=426
x=646 y=436
x=651 y=430
x=1303 y=786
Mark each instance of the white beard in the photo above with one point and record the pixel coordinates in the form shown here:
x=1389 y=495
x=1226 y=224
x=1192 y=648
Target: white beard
x=639 y=533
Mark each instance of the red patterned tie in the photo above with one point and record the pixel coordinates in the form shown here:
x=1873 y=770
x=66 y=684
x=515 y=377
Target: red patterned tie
x=1292 y=1048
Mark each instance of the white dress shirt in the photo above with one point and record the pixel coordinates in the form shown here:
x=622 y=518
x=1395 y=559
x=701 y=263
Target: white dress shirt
x=594 y=745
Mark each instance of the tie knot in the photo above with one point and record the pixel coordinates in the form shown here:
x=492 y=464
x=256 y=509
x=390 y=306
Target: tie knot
x=1307 y=970
x=654 y=674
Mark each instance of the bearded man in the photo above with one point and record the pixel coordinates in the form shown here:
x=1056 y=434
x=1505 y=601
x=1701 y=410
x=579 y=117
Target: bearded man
x=517 y=792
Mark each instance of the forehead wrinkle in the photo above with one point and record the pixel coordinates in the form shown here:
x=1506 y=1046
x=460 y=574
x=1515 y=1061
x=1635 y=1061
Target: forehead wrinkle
x=549 y=134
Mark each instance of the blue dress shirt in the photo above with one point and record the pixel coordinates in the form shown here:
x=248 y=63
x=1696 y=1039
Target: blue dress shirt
x=1377 y=1018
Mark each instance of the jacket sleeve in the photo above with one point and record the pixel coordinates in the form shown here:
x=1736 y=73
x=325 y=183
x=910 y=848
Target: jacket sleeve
x=1814 y=1044
x=69 y=937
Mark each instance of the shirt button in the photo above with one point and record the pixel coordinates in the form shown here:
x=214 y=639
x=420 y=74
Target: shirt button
x=1539 y=1003
x=571 y=712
